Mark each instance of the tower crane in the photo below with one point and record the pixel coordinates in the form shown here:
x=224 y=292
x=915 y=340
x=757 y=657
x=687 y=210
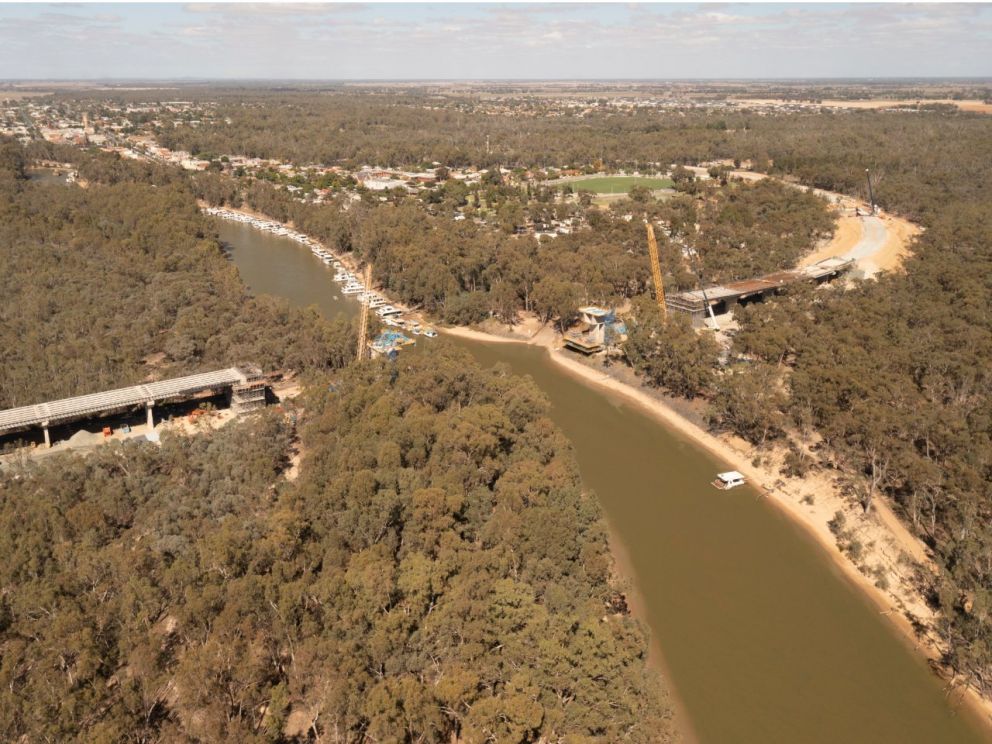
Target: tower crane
x=363 y=323
x=659 y=287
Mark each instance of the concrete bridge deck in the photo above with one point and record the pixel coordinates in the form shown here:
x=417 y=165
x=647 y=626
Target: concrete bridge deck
x=722 y=297
x=83 y=406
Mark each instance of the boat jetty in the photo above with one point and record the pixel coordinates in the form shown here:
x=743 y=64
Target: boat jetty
x=390 y=313
x=276 y=228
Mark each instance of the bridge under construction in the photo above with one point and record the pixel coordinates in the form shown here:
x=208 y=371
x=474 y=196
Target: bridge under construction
x=246 y=386
x=720 y=299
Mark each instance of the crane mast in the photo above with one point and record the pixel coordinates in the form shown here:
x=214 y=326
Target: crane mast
x=363 y=324
x=659 y=287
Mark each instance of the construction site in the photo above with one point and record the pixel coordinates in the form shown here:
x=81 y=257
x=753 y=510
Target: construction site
x=712 y=306
x=132 y=411
x=706 y=306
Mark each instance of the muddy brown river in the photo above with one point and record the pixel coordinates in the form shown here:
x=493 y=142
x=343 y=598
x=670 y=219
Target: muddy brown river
x=762 y=638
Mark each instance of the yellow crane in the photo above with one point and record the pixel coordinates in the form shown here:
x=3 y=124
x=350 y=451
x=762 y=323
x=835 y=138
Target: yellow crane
x=363 y=323
x=659 y=287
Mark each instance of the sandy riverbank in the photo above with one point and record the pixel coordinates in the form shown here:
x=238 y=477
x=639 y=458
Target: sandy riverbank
x=810 y=502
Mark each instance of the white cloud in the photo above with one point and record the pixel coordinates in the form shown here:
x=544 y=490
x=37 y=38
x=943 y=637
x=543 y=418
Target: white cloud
x=455 y=40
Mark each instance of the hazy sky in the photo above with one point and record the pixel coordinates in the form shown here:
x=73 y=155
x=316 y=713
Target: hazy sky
x=393 y=41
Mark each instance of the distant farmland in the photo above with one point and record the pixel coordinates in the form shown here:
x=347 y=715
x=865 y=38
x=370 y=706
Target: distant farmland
x=619 y=184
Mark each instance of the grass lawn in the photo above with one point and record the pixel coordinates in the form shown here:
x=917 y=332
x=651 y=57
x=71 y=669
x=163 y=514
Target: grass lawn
x=619 y=184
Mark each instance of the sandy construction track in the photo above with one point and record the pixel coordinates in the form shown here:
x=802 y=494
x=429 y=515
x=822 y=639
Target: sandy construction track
x=846 y=237
x=899 y=236
x=875 y=242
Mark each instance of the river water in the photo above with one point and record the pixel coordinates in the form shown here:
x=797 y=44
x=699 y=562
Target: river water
x=763 y=639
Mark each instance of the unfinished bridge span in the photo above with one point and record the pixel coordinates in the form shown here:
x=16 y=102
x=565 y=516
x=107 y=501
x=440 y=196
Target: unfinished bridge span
x=719 y=299
x=246 y=385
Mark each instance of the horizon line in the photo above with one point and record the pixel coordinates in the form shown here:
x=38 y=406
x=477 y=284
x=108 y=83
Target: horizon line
x=901 y=78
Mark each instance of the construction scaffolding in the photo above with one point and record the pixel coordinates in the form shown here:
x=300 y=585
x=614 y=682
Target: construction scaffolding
x=248 y=395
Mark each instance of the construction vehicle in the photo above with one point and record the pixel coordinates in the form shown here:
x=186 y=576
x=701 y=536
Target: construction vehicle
x=363 y=323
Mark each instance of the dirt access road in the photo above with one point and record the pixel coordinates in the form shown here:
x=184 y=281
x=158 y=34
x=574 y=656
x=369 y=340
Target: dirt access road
x=873 y=237
x=971 y=105
x=877 y=242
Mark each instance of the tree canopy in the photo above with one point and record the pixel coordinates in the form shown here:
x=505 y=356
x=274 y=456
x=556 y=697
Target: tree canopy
x=107 y=285
x=436 y=573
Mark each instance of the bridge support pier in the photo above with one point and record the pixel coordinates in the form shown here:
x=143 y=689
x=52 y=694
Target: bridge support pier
x=48 y=439
x=151 y=418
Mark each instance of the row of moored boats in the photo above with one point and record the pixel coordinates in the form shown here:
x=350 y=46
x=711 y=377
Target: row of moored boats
x=269 y=226
x=352 y=285
x=390 y=314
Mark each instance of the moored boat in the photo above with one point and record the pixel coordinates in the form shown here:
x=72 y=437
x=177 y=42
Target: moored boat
x=728 y=480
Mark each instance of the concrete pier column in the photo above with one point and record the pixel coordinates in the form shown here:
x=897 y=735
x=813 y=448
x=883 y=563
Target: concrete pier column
x=151 y=418
x=48 y=439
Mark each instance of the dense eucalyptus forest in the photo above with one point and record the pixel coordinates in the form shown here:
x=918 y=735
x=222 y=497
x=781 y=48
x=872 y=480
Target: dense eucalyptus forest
x=106 y=285
x=435 y=571
x=890 y=381
x=893 y=379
